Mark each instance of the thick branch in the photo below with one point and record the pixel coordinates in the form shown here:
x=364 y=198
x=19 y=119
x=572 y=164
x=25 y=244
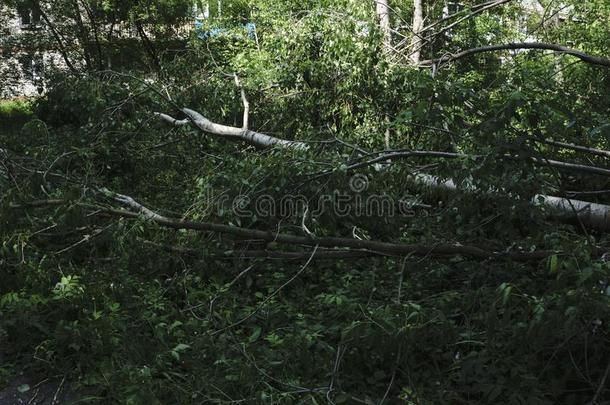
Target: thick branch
x=232 y=133
x=578 y=148
x=37 y=204
x=171 y=120
x=383 y=248
x=322 y=254
x=393 y=155
x=592 y=215
x=568 y=166
x=595 y=60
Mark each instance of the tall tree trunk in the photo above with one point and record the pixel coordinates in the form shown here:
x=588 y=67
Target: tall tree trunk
x=148 y=45
x=93 y=22
x=60 y=43
x=383 y=14
x=84 y=35
x=417 y=26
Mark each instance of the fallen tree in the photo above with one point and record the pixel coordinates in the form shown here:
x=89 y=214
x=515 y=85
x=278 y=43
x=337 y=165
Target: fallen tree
x=386 y=156
x=596 y=216
x=355 y=247
x=253 y=138
x=591 y=215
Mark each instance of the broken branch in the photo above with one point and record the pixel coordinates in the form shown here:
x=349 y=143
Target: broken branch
x=253 y=138
x=594 y=60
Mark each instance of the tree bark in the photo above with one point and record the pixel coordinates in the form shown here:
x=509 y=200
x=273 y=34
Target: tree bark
x=256 y=139
x=84 y=35
x=383 y=15
x=591 y=215
x=416 y=27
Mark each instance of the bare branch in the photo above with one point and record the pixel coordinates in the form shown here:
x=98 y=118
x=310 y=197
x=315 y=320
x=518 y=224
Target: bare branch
x=578 y=148
x=253 y=138
x=476 y=9
x=594 y=60
x=321 y=254
x=403 y=154
x=382 y=248
x=466 y=17
x=133 y=204
x=171 y=120
x=244 y=101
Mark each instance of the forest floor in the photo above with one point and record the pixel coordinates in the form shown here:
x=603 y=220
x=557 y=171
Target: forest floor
x=25 y=389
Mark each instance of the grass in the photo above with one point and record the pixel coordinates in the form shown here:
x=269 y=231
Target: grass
x=14 y=113
x=15 y=108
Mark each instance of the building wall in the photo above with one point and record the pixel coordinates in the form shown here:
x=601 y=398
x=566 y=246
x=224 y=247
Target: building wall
x=22 y=70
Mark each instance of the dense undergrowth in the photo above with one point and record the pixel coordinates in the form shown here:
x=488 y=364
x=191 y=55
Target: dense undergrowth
x=135 y=313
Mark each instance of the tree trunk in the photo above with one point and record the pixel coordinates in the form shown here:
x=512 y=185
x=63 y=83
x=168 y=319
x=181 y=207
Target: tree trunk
x=96 y=35
x=60 y=43
x=417 y=26
x=383 y=15
x=148 y=45
x=84 y=35
x=590 y=215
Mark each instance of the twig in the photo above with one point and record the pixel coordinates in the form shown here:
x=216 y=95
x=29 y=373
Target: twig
x=387 y=391
x=58 y=390
x=340 y=352
x=602 y=385
x=244 y=100
x=266 y=300
x=86 y=238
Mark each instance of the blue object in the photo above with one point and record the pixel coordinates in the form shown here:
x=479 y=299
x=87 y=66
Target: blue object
x=205 y=34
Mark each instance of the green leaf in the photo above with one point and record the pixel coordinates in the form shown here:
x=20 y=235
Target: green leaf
x=180 y=347
x=553 y=264
x=255 y=334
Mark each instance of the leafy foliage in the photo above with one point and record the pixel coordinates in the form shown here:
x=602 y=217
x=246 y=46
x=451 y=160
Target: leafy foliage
x=142 y=314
